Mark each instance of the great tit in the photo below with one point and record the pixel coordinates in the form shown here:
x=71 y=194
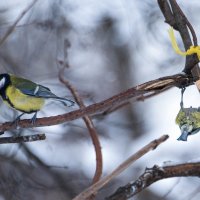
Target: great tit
x=188 y=120
x=25 y=95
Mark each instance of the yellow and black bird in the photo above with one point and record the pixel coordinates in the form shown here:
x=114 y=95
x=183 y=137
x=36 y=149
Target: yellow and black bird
x=25 y=95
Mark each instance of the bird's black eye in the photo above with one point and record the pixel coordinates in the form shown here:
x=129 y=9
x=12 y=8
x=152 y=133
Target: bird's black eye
x=2 y=82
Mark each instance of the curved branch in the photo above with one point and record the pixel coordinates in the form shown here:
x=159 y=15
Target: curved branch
x=90 y=126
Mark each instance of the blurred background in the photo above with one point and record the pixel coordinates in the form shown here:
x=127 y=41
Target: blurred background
x=114 y=45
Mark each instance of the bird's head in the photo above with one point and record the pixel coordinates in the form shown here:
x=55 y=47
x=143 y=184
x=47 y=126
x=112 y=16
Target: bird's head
x=4 y=80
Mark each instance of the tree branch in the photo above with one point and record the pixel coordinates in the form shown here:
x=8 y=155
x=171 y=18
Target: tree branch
x=160 y=84
x=87 y=119
x=177 y=80
x=90 y=126
x=19 y=139
x=154 y=174
x=105 y=180
x=175 y=17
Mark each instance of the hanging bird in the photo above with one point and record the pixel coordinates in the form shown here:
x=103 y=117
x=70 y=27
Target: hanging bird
x=25 y=95
x=188 y=120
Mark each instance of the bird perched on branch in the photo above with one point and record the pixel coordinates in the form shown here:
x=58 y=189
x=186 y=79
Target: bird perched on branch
x=25 y=95
x=188 y=120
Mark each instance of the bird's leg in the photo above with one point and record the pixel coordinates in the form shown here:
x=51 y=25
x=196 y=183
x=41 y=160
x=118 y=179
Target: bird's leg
x=34 y=118
x=182 y=92
x=17 y=119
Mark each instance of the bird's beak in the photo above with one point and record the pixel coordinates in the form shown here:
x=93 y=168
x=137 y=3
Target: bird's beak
x=185 y=131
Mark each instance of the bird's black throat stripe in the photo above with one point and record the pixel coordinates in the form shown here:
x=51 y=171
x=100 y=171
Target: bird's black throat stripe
x=3 y=89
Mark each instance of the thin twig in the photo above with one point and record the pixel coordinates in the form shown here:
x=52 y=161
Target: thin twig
x=105 y=180
x=19 y=139
x=90 y=126
x=87 y=119
x=145 y=88
x=11 y=29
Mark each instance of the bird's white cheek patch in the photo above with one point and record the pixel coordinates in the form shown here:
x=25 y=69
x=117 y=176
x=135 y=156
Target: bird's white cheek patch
x=2 y=82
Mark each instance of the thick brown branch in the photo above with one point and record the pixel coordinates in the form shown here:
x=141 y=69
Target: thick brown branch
x=139 y=98
x=156 y=173
x=159 y=84
x=167 y=12
x=189 y=25
x=181 y=23
x=175 y=17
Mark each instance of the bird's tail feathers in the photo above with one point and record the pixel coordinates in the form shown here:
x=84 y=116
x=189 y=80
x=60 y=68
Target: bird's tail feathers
x=64 y=101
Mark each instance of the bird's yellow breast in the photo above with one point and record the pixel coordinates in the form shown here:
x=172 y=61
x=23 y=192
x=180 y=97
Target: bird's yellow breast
x=23 y=102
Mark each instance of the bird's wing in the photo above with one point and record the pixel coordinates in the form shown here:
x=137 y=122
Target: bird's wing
x=30 y=88
x=45 y=92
